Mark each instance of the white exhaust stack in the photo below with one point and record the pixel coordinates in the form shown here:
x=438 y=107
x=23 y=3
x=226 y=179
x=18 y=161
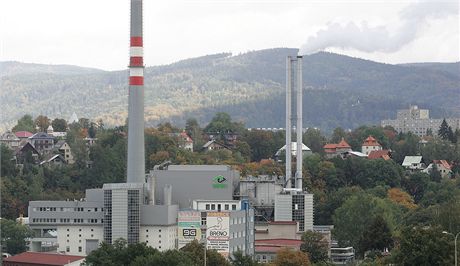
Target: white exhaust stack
x=299 y=155
x=288 y=122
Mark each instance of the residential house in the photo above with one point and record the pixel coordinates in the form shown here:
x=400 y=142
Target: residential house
x=43 y=142
x=370 y=144
x=55 y=160
x=380 y=154
x=336 y=149
x=214 y=145
x=21 y=153
x=184 y=141
x=10 y=140
x=443 y=167
x=64 y=149
x=413 y=163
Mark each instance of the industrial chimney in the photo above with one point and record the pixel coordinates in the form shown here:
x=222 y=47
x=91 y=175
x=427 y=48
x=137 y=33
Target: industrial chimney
x=136 y=153
x=290 y=62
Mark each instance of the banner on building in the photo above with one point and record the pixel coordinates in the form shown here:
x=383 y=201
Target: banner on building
x=188 y=226
x=218 y=232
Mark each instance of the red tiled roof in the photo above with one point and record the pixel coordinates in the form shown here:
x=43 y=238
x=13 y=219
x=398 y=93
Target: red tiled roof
x=443 y=163
x=43 y=258
x=370 y=141
x=23 y=134
x=343 y=144
x=330 y=146
x=384 y=154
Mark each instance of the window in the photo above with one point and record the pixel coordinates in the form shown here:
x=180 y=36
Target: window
x=207 y=206
x=213 y=207
x=226 y=207
x=233 y=207
x=67 y=249
x=147 y=230
x=79 y=249
x=159 y=230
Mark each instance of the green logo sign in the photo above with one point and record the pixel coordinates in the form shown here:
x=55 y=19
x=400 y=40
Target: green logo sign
x=219 y=182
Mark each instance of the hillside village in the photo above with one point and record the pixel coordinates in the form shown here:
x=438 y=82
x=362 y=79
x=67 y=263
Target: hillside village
x=406 y=175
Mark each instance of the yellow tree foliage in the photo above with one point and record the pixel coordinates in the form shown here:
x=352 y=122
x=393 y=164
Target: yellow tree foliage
x=400 y=197
x=288 y=257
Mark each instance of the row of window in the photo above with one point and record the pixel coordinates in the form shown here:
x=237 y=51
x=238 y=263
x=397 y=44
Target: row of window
x=63 y=209
x=218 y=207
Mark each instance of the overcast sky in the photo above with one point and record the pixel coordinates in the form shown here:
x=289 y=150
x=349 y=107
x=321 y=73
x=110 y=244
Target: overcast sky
x=95 y=33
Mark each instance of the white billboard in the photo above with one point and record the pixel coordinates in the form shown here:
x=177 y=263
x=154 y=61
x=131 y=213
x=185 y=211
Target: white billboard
x=188 y=227
x=218 y=232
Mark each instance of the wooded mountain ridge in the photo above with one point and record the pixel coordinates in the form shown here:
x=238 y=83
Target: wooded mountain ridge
x=338 y=90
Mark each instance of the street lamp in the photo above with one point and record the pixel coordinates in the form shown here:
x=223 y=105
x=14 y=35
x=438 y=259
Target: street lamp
x=204 y=228
x=455 y=243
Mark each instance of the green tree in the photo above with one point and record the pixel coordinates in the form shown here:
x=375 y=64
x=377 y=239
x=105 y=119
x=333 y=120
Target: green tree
x=14 y=235
x=239 y=259
x=59 y=125
x=377 y=236
x=443 y=131
x=352 y=218
x=424 y=246
x=196 y=252
x=118 y=254
x=8 y=167
x=262 y=145
x=169 y=257
x=25 y=123
x=316 y=246
x=337 y=135
x=314 y=140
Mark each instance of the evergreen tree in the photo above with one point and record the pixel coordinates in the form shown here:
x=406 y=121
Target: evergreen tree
x=443 y=131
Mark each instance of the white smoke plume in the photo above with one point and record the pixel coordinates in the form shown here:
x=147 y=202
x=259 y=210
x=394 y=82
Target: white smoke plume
x=379 y=39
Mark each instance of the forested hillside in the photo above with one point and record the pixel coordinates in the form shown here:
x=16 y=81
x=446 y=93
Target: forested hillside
x=339 y=90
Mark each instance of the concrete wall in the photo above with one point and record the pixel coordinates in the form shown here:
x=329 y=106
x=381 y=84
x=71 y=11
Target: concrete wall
x=159 y=237
x=75 y=236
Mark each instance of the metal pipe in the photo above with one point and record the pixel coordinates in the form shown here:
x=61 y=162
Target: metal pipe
x=299 y=155
x=288 y=122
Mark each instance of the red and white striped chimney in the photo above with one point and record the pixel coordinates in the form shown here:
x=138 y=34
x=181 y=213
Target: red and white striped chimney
x=136 y=153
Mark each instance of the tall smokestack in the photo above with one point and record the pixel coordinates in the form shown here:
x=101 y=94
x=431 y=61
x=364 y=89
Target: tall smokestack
x=299 y=156
x=136 y=154
x=288 y=122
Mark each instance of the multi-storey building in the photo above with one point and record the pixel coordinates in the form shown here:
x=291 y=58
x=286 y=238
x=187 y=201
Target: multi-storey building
x=418 y=121
x=43 y=142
